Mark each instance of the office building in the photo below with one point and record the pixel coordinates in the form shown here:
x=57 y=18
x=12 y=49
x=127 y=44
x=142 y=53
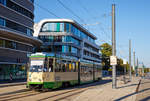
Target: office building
x=16 y=38
x=67 y=38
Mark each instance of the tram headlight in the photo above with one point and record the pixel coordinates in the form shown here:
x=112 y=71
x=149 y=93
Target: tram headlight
x=30 y=79
x=40 y=80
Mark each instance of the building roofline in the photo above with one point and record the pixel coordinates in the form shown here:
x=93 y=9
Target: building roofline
x=39 y=25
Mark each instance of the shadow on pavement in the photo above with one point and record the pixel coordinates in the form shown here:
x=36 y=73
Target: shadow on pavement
x=126 y=86
x=80 y=86
x=91 y=84
x=119 y=99
x=146 y=99
x=145 y=82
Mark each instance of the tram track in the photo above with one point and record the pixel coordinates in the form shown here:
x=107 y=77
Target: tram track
x=9 y=85
x=17 y=95
x=14 y=94
x=64 y=95
x=71 y=93
x=53 y=95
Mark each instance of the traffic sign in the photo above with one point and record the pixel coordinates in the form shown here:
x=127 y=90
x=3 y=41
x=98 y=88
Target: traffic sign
x=113 y=60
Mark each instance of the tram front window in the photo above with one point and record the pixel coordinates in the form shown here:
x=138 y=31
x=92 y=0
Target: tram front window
x=37 y=66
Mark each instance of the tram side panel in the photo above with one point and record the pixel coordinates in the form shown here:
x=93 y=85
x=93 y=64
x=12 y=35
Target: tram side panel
x=98 y=72
x=66 y=77
x=86 y=73
x=66 y=71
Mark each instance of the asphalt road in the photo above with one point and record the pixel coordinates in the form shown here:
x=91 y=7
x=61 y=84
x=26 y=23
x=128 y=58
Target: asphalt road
x=144 y=89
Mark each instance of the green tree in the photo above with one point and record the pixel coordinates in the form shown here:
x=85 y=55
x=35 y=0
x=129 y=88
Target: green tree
x=120 y=66
x=106 y=50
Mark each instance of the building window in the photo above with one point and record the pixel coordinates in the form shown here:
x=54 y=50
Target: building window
x=57 y=27
x=59 y=39
x=53 y=27
x=3 y=2
x=15 y=45
x=67 y=27
x=74 y=50
x=2 y=22
x=32 y=1
x=29 y=32
x=10 y=44
x=15 y=26
x=19 y=9
x=2 y=43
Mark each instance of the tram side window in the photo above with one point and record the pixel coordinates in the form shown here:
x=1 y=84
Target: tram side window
x=63 y=67
x=74 y=67
x=50 y=65
x=67 y=67
x=98 y=68
x=81 y=69
x=58 y=66
x=70 y=67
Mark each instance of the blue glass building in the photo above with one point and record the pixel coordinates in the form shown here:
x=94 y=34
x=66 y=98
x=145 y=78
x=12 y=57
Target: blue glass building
x=67 y=38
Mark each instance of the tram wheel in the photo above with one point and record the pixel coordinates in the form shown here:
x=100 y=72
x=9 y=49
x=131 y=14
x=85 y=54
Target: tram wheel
x=66 y=84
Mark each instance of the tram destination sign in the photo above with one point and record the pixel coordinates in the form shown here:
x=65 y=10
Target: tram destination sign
x=113 y=60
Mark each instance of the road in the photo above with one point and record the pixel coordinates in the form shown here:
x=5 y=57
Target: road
x=144 y=89
x=21 y=93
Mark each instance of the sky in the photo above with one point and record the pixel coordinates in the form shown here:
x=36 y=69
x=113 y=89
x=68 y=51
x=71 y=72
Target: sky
x=132 y=22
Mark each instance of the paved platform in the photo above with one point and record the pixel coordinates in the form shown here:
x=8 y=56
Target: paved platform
x=124 y=92
x=12 y=84
x=144 y=90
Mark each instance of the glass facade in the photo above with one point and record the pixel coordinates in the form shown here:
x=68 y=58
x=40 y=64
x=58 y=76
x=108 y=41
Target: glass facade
x=90 y=47
x=17 y=8
x=15 y=45
x=32 y=1
x=58 y=48
x=59 y=39
x=65 y=27
x=70 y=29
x=18 y=27
x=53 y=27
x=3 y=2
x=86 y=53
x=12 y=72
x=2 y=22
x=69 y=49
x=15 y=26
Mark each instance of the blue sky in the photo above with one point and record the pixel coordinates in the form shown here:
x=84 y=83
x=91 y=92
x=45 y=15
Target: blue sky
x=132 y=21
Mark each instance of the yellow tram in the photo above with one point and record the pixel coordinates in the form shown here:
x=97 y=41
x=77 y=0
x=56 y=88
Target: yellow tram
x=50 y=72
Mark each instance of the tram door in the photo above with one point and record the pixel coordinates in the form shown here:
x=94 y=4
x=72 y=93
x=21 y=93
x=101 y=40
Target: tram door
x=50 y=65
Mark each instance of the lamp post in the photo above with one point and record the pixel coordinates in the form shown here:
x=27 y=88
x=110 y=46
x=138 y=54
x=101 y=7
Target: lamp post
x=79 y=71
x=124 y=62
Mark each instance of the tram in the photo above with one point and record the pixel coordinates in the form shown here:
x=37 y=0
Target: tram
x=51 y=72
